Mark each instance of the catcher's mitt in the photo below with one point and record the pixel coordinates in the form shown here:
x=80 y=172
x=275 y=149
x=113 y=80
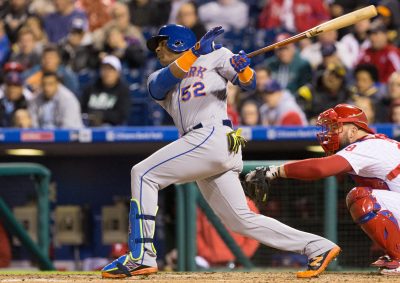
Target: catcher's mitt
x=256 y=186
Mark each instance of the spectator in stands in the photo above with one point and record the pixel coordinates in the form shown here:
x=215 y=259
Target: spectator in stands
x=188 y=17
x=5 y=47
x=341 y=7
x=394 y=86
x=120 y=19
x=389 y=11
x=25 y=51
x=293 y=16
x=96 y=11
x=42 y=8
x=13 y=98
x=230 y=14
x=22 y=119
x=128 y=50
x=263 y=75
x=356 y=40
x=381 y=53
x=107 y=101
x=367 y=105
x=329 y=89
x=77 y=51
x=212 y=250
x=14 y=16
x=249 y=114
x=329 y=56
x=58 y=24
x=147 y=13
x=287 y=67
x=56 y=106
x=10 y=66
x=395 y=113
x=35 y=24
x=392 y=96
x=175 y=6
x=313 y=54
x=51 y=62
x=366 y=85
x=280 y=107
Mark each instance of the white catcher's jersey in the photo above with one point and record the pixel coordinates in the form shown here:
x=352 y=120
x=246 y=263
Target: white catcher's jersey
x=375 y=161
x=200 y=97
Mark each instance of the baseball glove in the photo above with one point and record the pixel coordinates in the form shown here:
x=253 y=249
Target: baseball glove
x=256 y=186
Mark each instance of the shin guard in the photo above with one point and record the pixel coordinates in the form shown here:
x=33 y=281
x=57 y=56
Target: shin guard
x=380 y=225
x=136 y=239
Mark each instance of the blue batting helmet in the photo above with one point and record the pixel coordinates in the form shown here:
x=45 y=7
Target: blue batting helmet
x=179 y=38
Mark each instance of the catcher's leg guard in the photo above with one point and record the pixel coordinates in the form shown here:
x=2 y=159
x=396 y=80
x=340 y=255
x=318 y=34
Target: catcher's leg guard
x=136 y=240
x=379 y=225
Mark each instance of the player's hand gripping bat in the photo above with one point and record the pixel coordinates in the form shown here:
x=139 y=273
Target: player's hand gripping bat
x=337 y=23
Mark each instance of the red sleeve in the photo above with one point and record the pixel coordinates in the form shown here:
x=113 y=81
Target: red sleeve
x=317 y=168
x=291 y=119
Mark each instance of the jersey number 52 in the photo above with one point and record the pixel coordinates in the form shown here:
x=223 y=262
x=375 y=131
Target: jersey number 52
x=194 y=90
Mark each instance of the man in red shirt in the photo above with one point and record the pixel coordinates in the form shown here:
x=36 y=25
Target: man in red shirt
x=381 y=53
x=373 y=161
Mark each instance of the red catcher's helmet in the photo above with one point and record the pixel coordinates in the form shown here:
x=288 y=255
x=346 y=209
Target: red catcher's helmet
x=331 y=122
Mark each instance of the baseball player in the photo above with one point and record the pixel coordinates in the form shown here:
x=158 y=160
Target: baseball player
x=372 y=160
x=192 y=89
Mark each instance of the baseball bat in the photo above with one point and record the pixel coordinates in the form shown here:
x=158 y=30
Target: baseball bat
x=334 y=24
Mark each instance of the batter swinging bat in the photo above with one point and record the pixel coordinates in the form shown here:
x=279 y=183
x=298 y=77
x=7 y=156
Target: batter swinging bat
x=337 y=23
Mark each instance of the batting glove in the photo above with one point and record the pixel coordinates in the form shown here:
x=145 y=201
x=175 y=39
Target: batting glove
x=206 y=44
x=240 y=61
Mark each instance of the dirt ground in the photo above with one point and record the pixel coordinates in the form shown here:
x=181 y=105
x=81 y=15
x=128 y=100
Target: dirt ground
x=206 y=277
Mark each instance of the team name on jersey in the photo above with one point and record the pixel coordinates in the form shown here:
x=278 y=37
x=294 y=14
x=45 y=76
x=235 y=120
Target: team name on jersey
x=196 y=71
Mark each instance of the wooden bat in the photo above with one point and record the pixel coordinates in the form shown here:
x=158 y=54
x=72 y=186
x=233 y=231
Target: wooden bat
x=334 y=24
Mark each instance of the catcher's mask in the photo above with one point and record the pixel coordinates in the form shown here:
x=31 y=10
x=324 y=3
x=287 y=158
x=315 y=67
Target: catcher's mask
x=331 y=122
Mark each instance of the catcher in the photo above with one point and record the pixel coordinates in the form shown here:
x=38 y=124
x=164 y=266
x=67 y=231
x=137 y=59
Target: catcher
x=372 y=160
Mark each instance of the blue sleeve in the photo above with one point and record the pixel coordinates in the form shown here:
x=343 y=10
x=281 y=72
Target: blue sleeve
x=161 y=82
x=251 y=86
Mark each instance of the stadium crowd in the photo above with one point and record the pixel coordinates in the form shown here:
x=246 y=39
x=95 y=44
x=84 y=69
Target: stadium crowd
x=79 y=63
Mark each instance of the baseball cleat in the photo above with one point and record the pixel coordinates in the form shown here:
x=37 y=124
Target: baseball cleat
x=318 y=264
x=390 y=271
x=386 y=262
x=124 y=267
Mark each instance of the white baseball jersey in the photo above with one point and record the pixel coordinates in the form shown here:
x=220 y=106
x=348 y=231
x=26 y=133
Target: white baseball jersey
x=376 y=162
x=201 y=96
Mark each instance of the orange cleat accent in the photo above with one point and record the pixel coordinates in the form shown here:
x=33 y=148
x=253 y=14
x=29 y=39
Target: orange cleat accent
x=142 y=271
x=318 y=264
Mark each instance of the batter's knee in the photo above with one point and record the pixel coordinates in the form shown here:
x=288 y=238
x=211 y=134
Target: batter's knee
x=362 y=204
x=137 y=171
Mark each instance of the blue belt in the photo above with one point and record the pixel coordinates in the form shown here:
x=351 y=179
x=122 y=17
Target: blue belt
x=225 y=122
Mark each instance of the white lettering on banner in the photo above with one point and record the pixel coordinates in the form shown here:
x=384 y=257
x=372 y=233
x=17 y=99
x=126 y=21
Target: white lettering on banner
x=137 y=136
x=2 y=137
x=85 y=135
x=274 y=134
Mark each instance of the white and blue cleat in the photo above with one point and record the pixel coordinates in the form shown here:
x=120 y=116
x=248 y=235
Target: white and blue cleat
x=125 y=266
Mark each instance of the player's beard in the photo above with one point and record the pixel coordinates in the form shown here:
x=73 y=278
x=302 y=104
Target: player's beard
x=343 y=142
